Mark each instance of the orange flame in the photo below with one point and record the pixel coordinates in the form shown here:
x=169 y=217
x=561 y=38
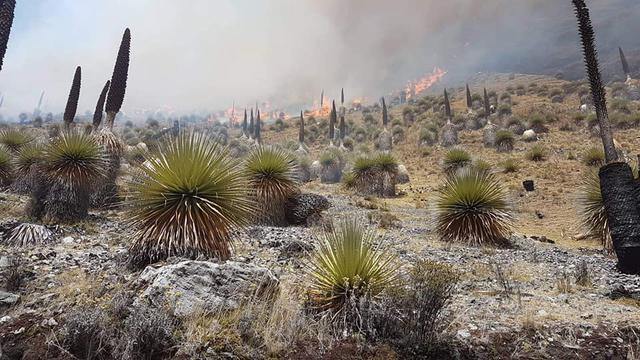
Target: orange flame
x=416 y=87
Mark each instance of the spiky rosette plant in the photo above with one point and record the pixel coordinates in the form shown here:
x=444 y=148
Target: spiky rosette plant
x=118 y=80
x=350 y=264
x=6 y=21
x=374 y=175
x=73 y=163
x=273 y=178
x=13 y=139
x=97 y=114
x=472 y=208
x=5 y=167
x=190 y=201
x=27 y=234
x=72 y=101
x=456 y=159
x=27 y=164
x=592 y=211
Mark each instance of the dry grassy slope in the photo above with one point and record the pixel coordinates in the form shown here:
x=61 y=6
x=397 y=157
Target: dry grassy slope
x=557 y=179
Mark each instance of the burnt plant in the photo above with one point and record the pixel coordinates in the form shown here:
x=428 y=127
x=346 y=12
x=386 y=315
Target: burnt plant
x=6 y=21
x=244 y=124
x=447 y=105
x=385 y=114
x=625 y=64
x=72 y=101
x=97 y=114
x=251 y=125
x=469 y=99
x=333 y=118
x=487 y=104
x=273 y=178
x=118 y=80
x=258 y=129
x=27 y=234
x=190 y=201
x=301 y=130
x=472 y=208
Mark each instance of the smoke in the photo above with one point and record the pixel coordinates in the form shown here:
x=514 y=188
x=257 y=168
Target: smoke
x=200 y=55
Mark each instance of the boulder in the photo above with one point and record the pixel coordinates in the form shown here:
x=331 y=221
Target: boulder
x=489 y=134
x=8 y=299
x=188 y=287
x=314 y=170
x=302 y=207
x=403 y=175
x=331 y=174
x=529 y=135
x=385 y=141
x=449 y=136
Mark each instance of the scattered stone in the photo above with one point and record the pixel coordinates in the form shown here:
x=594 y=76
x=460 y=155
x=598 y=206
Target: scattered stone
x=191 y=286
x=403 y=175
x=68 y=240
x=529 y=135
x=303 y=206
x=8 y=299
x=528 y=185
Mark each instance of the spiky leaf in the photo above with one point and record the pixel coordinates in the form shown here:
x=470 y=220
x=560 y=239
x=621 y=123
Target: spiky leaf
x=6 y=21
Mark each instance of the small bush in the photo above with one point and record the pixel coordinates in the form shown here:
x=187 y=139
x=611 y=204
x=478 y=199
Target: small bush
x=537 y=153
x=13 y=274
x=472 y=208
x=13 y=140
x=147 y=335
x=6 y=173
x=374 y=175
x=86 y=334
x=593 y=157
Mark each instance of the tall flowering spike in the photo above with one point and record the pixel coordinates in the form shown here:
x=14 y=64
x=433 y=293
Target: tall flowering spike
x=72 y=101
x=251 y=125
x=385 y=114
x=469 y=101
x=119 y=79
x=6 y=21
x=487 y=106
x=625 y=64
x=342 y=96
x=301 y=130
x=333 y=118
x=244 y=123
x=343 y=127
x=322 y=99
x=40 y=100
x=587 y=37
x=447 y=104
x=97 y=114
x=258 y=127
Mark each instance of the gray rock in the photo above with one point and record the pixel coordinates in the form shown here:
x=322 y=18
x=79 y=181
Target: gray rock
x=190 y=286
x=385 y=141
x=403 y=175
x=314 y=170
x=449 y=136
x=8 y=299
x=529 y=135
x=489 y=134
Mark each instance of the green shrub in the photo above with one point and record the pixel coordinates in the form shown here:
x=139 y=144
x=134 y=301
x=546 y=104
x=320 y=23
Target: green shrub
x=536 y=153
x=593 y=157
x=456 y=159
x=348 y=265
x=374 y=175
x=272 y=174
x=482 y=167
x=592 y=211
x=504 y=109
x=472 y=208
x=191 y=201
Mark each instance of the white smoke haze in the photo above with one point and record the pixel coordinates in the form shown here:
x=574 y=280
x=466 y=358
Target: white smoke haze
x=201 y=55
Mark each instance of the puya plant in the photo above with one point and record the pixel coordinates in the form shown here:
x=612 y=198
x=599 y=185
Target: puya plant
x=27 y=166
x=593 y=216
x=472 y=209
x=72 y=101
x=272 y=174
x=72 y=163
x=374 y=175
x=190 y=201
x=13 y=140
x=349 y=264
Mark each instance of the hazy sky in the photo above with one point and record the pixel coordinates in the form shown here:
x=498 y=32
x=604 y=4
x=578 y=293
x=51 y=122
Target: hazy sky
x=203 y=54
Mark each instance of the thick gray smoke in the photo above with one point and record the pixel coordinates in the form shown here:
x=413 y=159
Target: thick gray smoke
x=203 y=54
